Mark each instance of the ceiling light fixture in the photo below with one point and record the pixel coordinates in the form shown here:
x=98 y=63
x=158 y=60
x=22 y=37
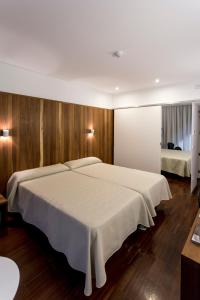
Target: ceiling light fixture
x=116 y=88
x=117 y=53
x=157 y=80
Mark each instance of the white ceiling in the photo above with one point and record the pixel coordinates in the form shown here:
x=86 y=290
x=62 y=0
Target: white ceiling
x=73 y=40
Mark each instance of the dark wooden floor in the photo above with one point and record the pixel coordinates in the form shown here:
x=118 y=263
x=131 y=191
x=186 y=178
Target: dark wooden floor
x=146 y=267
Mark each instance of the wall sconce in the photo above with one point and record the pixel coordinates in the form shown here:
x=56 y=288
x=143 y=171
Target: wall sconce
x=5 y=133
x=91 y=132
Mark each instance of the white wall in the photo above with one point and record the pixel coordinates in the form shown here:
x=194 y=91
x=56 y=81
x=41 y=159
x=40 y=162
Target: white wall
x=17 y=80
x=199 y=147
x=137 y=138
x=20 y=81
x=198 y=139
x=195 y=144
x=158 y=95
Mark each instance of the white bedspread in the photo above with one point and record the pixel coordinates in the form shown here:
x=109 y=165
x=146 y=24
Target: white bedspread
x=85 y=218
x=153 y=187
x=22 y=176
x=176 y=162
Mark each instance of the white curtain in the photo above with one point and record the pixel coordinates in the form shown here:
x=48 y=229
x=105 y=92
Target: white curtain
x=177 y=126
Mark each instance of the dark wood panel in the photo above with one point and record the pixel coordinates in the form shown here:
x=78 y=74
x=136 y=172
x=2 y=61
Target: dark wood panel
x=80 y=130
x=97 y=124
x=51 y=133
x=6 y=162
x=46 y=132
x=70 y=144
x=147 y=266
x=25 y=132
x=77 y=120
x=108 y=130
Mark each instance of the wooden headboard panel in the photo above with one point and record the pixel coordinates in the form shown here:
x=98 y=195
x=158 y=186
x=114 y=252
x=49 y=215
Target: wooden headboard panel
x=45 y=132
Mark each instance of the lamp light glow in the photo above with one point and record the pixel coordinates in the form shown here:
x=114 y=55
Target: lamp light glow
x=5 y=132
x=91 y=132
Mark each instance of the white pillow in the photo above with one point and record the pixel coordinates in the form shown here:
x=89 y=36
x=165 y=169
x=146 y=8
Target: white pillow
x=30 y=174
x=82 y=162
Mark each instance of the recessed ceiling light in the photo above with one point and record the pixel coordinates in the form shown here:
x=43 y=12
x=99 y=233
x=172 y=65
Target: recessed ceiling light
x=116 y=88
x=157 y=80
x=118 y=53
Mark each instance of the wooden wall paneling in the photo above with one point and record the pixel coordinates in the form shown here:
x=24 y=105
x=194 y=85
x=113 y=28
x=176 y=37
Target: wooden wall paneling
x=97 y=126
x=83 y=131
x=41 y=133
x=61 y=131
x=100 y=128
x=89 y=124
x=46 y=132
x=108 y=135
x=80 y=130
x=6 y=163
x=25 y=132
x=77 y=125
x=51 y=140
x=94 y=139
x=105 y=137
x=110 y=126
x=68 y=127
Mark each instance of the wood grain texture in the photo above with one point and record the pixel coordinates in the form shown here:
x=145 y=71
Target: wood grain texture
x=26 y=132
x=190 y=266
x=51 y=133
x=46 y=132
x=41 y=133
x=69 y=135
x=147 y=266
x=6 y=162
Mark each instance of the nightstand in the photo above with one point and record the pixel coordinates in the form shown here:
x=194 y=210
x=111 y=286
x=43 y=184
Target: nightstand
x=3 y=211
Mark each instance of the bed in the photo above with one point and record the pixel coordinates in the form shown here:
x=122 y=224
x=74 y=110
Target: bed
x=176 y=162
x=153 y=187
x=85 y=218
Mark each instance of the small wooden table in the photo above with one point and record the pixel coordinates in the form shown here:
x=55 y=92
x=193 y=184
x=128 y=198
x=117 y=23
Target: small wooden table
x=190 y=267
x=3 y=211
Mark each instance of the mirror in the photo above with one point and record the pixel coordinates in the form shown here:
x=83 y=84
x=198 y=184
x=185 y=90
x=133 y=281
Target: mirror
x=176 y=139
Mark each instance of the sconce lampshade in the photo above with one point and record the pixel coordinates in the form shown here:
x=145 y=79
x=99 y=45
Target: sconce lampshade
x=91 y=131
x=5 y=132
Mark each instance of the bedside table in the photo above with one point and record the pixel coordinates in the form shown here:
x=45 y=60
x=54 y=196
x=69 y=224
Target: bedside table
x=3 y=211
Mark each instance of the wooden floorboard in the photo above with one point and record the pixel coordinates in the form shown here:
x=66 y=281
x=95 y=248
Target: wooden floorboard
x=146 y=267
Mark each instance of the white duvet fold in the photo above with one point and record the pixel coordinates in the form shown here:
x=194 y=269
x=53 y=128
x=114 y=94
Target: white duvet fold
x=153 y=187
x=25 y=175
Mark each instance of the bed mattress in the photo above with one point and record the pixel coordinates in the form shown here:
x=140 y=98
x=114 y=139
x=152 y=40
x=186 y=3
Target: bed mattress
x=153 y=187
